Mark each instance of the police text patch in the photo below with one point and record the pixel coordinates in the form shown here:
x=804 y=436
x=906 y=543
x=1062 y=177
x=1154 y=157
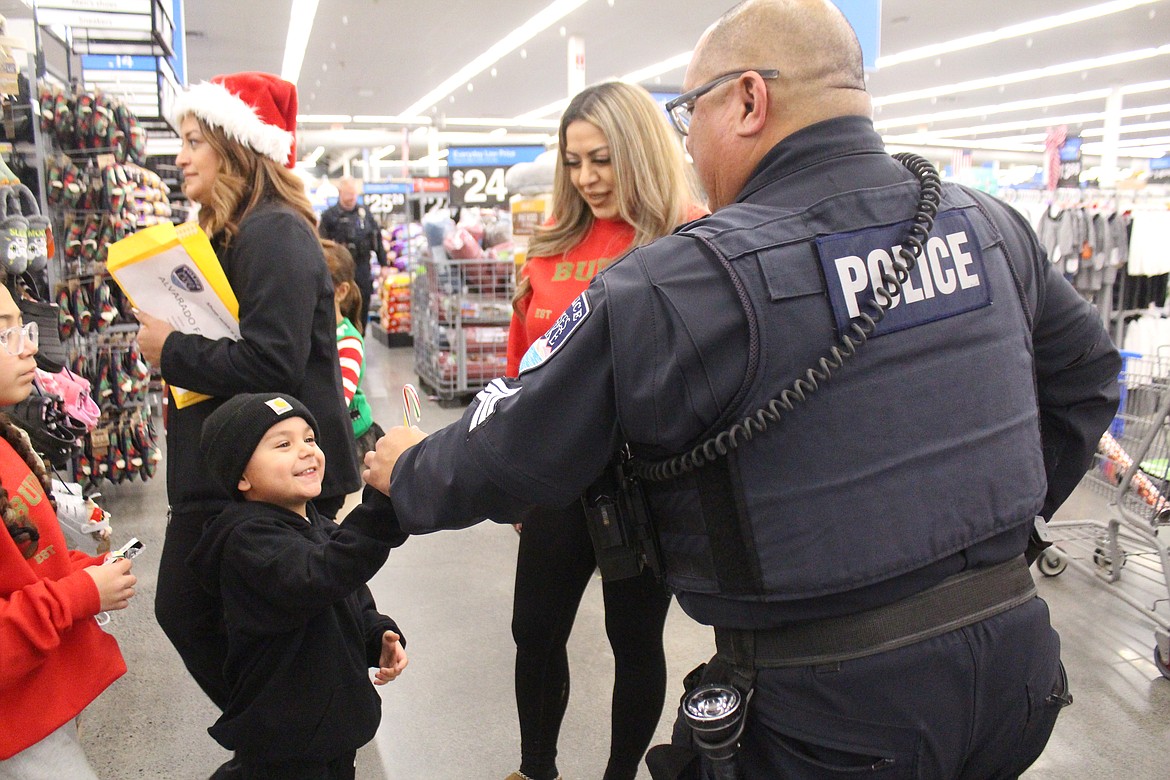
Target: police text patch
x=544 y=347
x=949 y=279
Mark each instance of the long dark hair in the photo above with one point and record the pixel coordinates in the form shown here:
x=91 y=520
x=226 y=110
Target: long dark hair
x=22 y=529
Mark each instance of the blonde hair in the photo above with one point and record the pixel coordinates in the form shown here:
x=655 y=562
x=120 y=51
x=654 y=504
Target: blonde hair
x=244 y=179
x=652 y=184
x=341 y=268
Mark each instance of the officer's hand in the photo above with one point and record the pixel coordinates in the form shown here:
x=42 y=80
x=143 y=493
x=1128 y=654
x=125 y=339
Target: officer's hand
x=380 y=462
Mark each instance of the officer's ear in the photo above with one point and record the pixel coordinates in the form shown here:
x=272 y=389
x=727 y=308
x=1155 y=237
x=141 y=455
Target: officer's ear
x=752 y=93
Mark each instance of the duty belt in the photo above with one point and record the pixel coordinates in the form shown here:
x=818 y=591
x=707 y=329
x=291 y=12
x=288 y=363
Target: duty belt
x=958 y=601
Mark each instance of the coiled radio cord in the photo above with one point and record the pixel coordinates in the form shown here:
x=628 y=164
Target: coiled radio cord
x=860 y=329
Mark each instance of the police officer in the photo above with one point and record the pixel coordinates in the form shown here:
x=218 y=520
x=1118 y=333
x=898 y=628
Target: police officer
x=862 y=559
x=349 y=223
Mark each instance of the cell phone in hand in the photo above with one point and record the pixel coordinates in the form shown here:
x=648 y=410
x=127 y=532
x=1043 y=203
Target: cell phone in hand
x=128 y=550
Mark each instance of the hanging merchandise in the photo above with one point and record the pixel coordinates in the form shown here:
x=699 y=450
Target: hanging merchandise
x=91 y=413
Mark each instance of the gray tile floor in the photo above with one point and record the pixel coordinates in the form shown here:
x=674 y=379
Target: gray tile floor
x=451 y=716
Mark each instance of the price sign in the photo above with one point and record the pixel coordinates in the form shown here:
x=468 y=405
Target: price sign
x=478 y=187
x=476 y=173
x=384 y=198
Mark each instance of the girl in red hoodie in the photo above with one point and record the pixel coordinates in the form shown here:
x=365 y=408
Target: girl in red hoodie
x=54 y=659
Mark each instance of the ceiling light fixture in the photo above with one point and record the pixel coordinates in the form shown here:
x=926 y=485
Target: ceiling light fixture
x=1069 y=119
x=1017 y=105
x=541 y=21
x=312 y=157
x=469 y=121
x=1011 y=31
x=383 y=152
x=1024 y=75
x=323 y=119
x=300 y=24
x=633 y=77
x=390 y=119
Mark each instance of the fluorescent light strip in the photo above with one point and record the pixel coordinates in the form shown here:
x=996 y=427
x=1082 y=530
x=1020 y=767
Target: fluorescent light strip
x=1049 y=121
x=1011 y=31
x=1017 y=105
x=913 y=139
x=300 y=25
x=468 y=121
x=312 y=157
x=551 y=14
x=633 y=77
x=658 y=68
x=1024 y=75
x=1038 y=138
x=390 y=119
x=323 y=119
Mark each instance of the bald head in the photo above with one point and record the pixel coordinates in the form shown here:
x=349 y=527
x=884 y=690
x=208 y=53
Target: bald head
x=809 y=41
x=347 y=192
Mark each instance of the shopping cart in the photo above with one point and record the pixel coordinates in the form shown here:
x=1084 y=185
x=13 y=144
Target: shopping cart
x=1127 y=553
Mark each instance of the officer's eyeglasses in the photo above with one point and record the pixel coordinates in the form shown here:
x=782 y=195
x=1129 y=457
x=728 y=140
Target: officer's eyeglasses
x=13 y=339
x=680 y=108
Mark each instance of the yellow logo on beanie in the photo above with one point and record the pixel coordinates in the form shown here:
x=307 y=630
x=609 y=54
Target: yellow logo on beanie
x=279 y=405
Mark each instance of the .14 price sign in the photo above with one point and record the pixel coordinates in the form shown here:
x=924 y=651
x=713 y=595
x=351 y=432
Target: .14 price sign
x=478 y=187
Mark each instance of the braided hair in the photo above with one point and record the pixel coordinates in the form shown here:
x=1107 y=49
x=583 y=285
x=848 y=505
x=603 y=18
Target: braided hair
x=23 y=530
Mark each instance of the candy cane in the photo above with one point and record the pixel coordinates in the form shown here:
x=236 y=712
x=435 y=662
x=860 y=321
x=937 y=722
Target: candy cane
x=410 y=405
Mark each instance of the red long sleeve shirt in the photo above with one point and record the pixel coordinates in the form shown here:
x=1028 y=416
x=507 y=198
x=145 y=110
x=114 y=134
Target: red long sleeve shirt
x=558 y=279
x=54 y=659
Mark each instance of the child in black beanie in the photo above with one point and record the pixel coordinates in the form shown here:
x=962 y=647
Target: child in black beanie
x=302 y=627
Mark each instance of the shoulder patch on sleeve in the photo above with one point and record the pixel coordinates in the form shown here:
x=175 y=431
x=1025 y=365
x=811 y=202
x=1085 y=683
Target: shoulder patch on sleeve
x=544 y=347
x=496 y=391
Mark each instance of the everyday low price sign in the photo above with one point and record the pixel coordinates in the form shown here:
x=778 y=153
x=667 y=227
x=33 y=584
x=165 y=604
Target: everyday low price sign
x=476 y=173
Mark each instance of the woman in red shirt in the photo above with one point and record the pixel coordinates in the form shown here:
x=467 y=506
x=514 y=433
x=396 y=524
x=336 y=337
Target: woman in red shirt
x=621 y=183
x=56 y=659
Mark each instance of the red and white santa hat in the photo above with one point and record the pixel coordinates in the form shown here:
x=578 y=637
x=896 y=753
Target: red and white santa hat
x=257 y=109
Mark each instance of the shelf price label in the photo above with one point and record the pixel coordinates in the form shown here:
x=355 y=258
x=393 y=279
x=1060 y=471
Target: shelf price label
x=384 y=198
x=478 y=187
x=476 y=173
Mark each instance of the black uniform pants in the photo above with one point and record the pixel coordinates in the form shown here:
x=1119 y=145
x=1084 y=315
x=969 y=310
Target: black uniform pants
x=191 y=617
x=976 y=703
x=555 y=564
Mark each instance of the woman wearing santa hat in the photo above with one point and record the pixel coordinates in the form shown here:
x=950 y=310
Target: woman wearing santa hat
x=238 y=136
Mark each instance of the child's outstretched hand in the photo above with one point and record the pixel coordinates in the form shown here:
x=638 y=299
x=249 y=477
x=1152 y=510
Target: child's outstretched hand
x=393 y=659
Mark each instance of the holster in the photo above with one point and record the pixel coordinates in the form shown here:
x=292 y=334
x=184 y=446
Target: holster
x=619 y=525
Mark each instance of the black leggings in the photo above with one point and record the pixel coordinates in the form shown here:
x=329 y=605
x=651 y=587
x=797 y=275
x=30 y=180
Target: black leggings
x=190 y=616
x=555 y=564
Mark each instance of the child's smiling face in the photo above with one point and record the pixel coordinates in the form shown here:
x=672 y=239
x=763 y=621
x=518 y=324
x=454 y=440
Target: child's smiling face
x=286 y=468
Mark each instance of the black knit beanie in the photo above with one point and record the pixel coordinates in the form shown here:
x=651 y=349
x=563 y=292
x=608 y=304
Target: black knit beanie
x=231 y=432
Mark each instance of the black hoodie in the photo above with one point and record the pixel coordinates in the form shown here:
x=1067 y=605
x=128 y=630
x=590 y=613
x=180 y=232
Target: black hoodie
x=302 y=626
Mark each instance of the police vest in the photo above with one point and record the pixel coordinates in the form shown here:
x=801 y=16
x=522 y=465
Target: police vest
x=353 y=230
x=923 y=444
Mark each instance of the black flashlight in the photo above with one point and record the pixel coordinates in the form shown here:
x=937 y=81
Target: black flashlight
x=715 y=714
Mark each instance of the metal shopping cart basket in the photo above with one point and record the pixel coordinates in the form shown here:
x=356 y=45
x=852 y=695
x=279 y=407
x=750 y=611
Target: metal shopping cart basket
x=1127 y=553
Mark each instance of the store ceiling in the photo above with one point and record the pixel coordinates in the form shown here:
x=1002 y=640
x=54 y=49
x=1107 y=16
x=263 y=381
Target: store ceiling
x=378 y=57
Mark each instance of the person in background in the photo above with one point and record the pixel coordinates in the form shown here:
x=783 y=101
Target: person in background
x=855 y=524
x=351 y=349
x=56 y=659
x=238 y=147
x=621 y=183
x=350 y=224
x=302 y=627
